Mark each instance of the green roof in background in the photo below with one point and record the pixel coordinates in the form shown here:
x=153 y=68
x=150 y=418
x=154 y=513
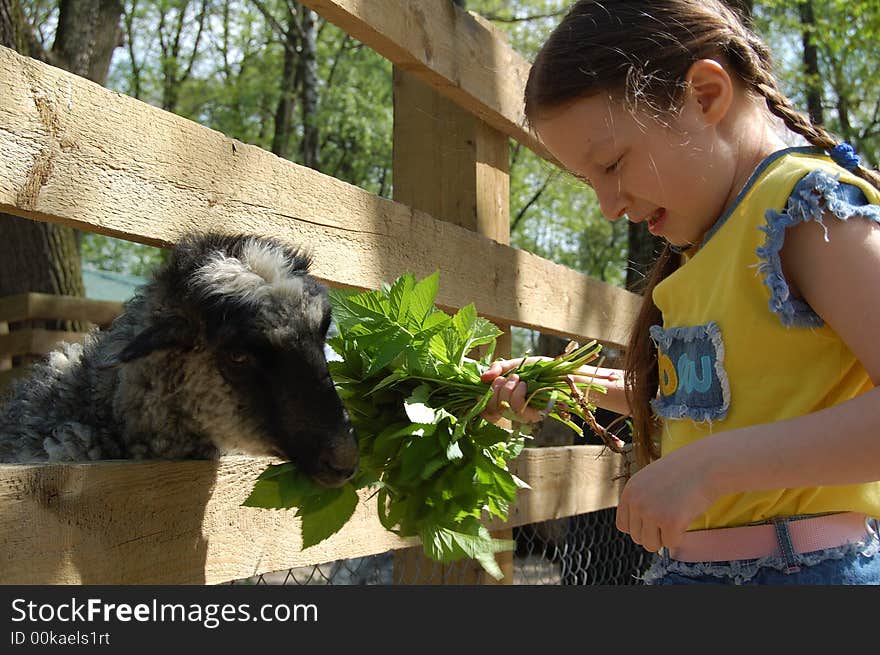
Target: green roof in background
x=105 y=285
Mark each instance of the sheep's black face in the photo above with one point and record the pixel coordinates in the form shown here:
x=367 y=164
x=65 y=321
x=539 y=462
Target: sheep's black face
x=265 y=322
x=300 y=414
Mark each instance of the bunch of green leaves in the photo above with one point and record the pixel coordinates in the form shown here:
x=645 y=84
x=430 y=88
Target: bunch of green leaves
x=414 y=396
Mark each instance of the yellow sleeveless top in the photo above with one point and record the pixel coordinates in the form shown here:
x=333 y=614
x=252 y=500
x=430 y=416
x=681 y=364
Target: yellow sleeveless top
x=735 y=350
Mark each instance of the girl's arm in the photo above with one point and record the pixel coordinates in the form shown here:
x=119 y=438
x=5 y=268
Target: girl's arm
x=840 y=279
x=610 y=378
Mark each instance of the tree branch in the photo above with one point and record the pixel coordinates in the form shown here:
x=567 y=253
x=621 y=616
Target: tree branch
x=535 y=197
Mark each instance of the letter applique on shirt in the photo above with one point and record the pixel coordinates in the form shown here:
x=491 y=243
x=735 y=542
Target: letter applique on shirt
x=693 y=382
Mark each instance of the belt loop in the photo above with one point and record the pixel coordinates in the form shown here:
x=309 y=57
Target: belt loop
x=783 y=538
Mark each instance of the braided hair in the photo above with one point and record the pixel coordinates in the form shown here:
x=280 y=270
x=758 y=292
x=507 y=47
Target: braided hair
x=640 y=51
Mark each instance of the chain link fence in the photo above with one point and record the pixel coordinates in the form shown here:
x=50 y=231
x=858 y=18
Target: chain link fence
x=578 y=550
x=586 y=549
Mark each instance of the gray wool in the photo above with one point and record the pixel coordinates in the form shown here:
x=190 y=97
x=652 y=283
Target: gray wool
x=111 y=398
x=71 y=408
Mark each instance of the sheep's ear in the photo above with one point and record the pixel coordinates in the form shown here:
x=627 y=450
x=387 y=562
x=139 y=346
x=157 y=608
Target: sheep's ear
x=167 y=334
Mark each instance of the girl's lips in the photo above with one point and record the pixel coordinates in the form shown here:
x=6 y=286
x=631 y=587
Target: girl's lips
x=656 y=221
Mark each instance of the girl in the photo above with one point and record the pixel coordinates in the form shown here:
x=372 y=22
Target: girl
x=753 y=363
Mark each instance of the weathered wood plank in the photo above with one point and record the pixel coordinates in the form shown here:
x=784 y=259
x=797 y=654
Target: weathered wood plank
x=460 y=55
x=38 y=306
x=182 y=522
x=35 y=341
x=80 y=155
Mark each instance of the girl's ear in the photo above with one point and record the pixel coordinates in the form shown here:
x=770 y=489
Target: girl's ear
x=710 y=86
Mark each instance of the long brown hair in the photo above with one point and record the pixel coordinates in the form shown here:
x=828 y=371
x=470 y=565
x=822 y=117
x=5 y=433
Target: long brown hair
x=640 y=52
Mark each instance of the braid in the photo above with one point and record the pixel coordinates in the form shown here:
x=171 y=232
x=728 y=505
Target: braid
x=754 y=63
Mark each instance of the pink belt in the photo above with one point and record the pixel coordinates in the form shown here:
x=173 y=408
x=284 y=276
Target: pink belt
x=755 y=541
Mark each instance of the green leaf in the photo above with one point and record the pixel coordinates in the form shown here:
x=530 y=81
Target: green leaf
x=414 y=396
x=274 y=470
x=471 y=331
x=470 y=541
x=395 y=343
x=422 y=300
x=400 y=297
x=388 y=381
x=349 y=311
x=265 y=494
x=329 y=516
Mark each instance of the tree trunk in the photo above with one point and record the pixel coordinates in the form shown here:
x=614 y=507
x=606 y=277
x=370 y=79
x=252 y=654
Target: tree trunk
x=37 y=256
x=15 y=32
x=54 y=250
x=88 y=33
x=308 y=65
x=288 y=84
x=811 y=63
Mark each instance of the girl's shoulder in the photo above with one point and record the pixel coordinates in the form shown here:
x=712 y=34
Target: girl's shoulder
x=809 y=188
x=807 y=177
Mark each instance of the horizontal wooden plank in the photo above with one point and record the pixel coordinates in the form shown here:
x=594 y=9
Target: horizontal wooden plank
x=80 y=155
x=36 y=341
x=39 y=306
x=461 y=55
x=182 y=522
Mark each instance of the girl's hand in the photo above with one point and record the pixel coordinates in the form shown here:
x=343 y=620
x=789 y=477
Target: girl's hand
x=508 y=391
x=661 y=500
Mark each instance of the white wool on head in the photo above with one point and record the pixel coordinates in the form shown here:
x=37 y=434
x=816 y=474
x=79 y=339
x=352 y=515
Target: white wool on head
x=263 y=269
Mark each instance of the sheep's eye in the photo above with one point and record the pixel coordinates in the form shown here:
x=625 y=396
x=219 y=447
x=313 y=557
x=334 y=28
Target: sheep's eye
x=238 y=357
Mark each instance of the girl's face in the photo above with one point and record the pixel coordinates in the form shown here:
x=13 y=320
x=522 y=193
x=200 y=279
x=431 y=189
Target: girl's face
x=676 y=176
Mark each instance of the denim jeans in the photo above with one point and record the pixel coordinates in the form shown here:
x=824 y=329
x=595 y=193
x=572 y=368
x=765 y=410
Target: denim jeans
x=850 y=564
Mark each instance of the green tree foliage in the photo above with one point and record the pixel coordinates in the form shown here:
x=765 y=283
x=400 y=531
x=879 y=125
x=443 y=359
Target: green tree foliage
x=219 y=62
x=845 y=34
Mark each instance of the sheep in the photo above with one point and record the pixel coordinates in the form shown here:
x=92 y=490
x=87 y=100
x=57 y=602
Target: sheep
x=221 y=352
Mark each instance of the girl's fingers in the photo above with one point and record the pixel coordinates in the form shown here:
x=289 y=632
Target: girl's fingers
x=518 y=404
x=509 y=392
x=492 y=411
x=651 y=538
x=499 y=367
x=622 y=518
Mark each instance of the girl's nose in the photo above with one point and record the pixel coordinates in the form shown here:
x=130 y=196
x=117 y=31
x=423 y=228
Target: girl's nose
x=612 y=203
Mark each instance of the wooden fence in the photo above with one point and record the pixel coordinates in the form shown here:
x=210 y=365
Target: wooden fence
x=78 y=154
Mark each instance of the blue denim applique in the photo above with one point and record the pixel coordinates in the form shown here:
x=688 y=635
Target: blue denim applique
x=693 y=382
x=818 y=192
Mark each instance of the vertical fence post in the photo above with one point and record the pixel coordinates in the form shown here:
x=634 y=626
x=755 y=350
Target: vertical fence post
x=5 y=362
x=452 y=165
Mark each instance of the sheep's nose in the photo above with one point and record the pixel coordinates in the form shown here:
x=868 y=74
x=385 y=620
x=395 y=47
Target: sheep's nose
x=337 y=465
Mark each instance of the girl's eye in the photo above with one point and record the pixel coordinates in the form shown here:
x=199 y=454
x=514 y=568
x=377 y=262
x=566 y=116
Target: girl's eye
x=613 y=167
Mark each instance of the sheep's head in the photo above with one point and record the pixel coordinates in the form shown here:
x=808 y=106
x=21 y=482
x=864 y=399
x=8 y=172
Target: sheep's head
x=249 y=324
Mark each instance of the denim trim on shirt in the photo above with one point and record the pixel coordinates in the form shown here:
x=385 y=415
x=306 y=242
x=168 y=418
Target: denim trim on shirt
x=739 y=572
x=685 y=345
x=817 y=193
